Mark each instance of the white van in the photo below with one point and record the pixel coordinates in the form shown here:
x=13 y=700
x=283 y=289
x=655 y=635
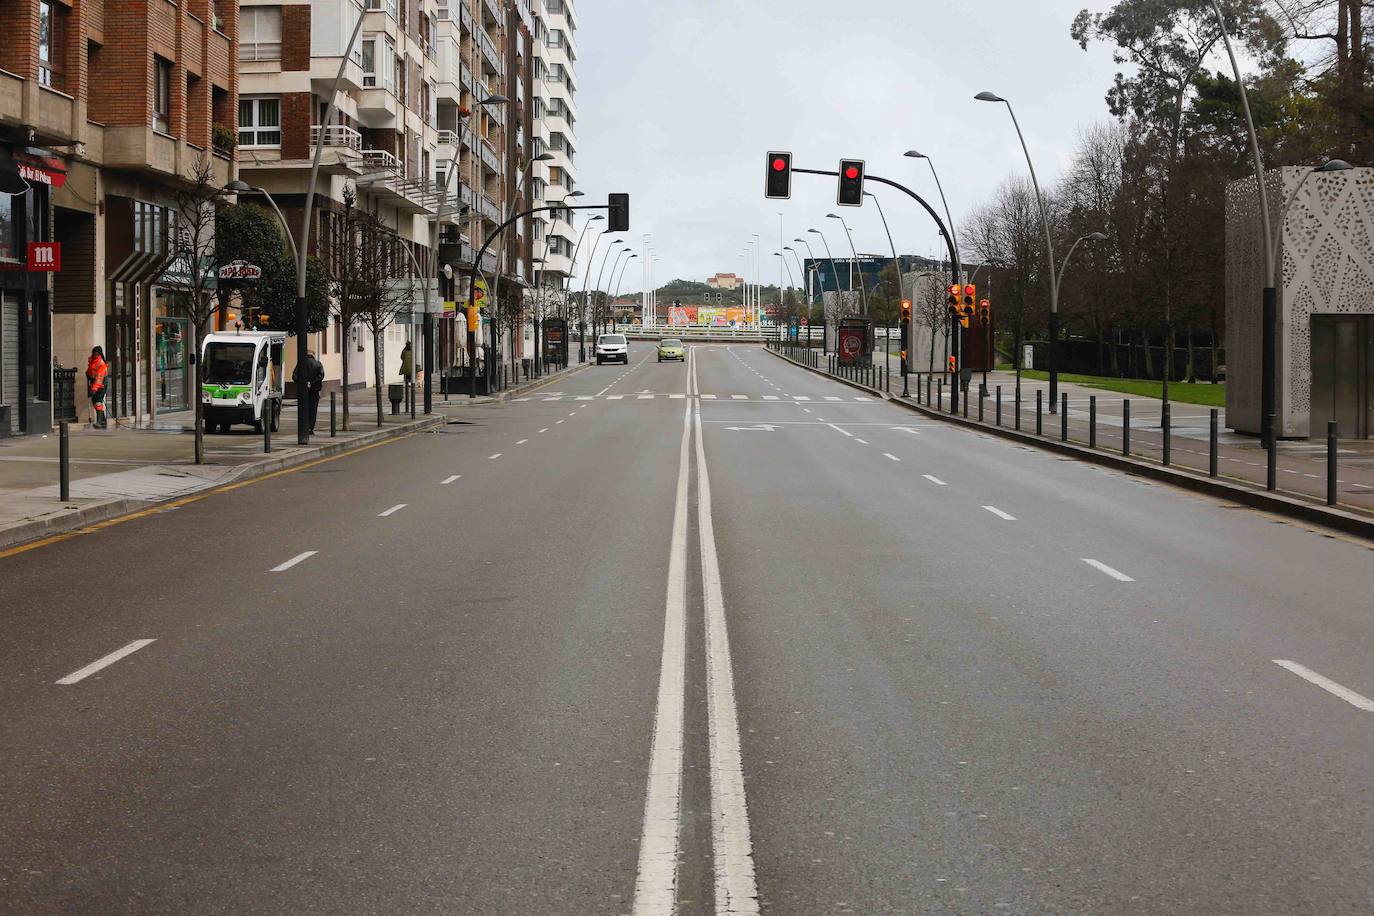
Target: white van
x=242 y=380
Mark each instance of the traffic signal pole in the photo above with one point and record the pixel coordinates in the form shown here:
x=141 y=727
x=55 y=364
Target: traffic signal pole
x=477 y=260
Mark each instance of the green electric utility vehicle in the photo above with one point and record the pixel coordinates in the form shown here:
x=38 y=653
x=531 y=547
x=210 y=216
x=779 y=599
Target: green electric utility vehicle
x=243 y=380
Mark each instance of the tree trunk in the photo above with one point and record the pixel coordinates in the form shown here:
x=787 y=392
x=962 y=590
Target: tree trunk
x=377 y=373
x=1192 y=364
x=1149 y=357
x=347 y=351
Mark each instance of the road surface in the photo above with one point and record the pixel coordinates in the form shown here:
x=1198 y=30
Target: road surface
x=715 y=637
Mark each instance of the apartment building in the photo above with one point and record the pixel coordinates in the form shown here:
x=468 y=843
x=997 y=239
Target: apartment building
x=555 y=119
x=410 y=135
x=106 y=106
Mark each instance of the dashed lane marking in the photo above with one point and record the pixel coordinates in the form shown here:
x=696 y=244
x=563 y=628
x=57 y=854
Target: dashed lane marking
x=1004 y=516
x=101 y=663
x=453 y=479
x=392 y=511
x=1359 y=701
x=935 y=480
x=295 y=561
x=1103 y=567
x=891 y=457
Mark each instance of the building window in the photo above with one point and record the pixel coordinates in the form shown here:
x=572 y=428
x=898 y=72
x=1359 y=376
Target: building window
x=260 y=33
x=162 y=95
x=369 y=62
x=389 y=6
x=259 y=121
x=51 y=39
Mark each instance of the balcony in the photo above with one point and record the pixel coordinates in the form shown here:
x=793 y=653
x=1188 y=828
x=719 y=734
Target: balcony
x=383 y=176
x=346 y=144
x=448 y=138
x=489 y=157
x=489 y=52
x=493 y=12
x=488 y=208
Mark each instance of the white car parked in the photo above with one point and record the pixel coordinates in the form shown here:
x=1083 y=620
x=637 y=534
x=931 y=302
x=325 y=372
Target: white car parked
x=612 y=348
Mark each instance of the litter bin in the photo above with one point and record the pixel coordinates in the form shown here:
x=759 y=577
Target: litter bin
x=395 y=394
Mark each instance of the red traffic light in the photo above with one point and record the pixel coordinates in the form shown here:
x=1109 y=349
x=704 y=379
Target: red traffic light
x=779 y=164
x=778 y=177
x=851 y=173
x=969 y=290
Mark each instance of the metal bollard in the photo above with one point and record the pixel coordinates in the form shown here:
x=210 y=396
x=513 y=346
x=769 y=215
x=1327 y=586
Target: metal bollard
x=64 y=463
x=1063 y=418
x=1126 y=428
x=1039 y=412
x=999 y=405
x=333 y=414
x=267 y=428
x=940 y=394
x=1272 y=471
x=965 y=402
x=982 y=397
x=1330 y=462
x=1092 y=421
x=1018 y=409
x=928 y=384
x=1166 y=424
x=1212 y=446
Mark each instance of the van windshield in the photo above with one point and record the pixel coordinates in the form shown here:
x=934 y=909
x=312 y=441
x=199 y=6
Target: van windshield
x=229 y=363
x=613 y=338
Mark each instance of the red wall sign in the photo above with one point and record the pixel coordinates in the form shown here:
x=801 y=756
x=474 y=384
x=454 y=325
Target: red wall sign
x=45 y=257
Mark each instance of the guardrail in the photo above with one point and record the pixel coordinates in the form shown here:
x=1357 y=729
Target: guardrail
x=659 y=332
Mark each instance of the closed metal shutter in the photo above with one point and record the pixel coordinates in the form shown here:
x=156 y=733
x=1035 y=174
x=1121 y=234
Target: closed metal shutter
x=9 y=356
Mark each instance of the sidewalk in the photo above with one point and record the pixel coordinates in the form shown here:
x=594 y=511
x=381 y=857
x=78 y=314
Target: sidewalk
x=1301 y=462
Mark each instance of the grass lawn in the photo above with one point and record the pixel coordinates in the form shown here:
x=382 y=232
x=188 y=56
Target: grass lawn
x=1207 y=395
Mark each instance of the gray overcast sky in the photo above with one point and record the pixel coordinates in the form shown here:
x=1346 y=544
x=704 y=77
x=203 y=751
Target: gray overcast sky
x=680 y=101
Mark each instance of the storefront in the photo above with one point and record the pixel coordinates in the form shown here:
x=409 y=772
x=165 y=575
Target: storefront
x=147 y=354
x=25 y=311
x=170 y=346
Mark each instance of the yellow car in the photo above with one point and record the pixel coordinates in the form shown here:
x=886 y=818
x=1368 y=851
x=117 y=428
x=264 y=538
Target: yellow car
x=671 y=348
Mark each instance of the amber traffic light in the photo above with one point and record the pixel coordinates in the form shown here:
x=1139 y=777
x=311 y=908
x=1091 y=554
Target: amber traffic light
x=906 y=309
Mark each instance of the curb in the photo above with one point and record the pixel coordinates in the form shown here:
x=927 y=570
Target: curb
x=1291 y=507
x=535 y=386
x=86 y=516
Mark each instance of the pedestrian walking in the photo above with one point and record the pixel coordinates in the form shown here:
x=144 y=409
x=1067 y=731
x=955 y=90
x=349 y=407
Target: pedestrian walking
x=96 y=371
x=408 y=366
x=310 y=383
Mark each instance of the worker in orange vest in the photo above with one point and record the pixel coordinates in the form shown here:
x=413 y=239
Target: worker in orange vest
x=96 y=370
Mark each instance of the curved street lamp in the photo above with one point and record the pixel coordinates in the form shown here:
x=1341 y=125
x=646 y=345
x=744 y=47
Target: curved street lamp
x=949 y=220
x=863 y=297
x=1049 y=250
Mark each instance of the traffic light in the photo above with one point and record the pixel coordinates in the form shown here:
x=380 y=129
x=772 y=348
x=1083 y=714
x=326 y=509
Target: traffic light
x=953 y=299
x=906 y=309
x=618 y=219
x=778 y=183
x=985 y=313
x=966 y=304
x=851 y=192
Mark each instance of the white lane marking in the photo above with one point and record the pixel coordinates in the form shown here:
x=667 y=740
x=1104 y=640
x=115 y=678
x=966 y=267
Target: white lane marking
x=740 y=397
x=520 y=400
x=806 y=410
x=450 y=480
x=522 y=442
x=573 y=414
x=708 y=397
x=392 y=511
x=587 y=397
x=864 y=400
x=656 y=883
x=499 y=454
x=604 y=390
x=736 y=888
x=82 y=673
x=831 y=398
x=544 y=430
x=294 y=561
x=677 y=397
x=646 y=397
x=891 y=456
x=552 y=399
x=906 y=429
x=838 y=430
x=770 y=397
x=798 y=397
x=1103 y=567
x=1000 y=514
x=556 y=422
x=615 y=397
x=1359 y=701
x=861 y=441
x=935 y=480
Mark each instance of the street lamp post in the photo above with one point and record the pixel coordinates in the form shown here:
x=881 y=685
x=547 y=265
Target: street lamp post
x=897 y=262
x=834 y=269
x=581 y=324
x=863 y=297
x=623 y=268
x=303 y=246
x=615 y=265
x=953 y=236
x=1049 y=250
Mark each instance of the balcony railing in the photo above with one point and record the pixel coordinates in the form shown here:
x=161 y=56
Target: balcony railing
x=381 y=160
x=488 y=49
x=448 y=137
x=489 y=157
x=337 y=135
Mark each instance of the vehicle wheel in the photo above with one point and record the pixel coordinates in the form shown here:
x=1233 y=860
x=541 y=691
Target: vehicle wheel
x=276 y=416
x=210 y=427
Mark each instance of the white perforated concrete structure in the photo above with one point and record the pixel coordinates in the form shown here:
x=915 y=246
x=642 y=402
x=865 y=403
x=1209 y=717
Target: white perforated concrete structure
x=1327 y=268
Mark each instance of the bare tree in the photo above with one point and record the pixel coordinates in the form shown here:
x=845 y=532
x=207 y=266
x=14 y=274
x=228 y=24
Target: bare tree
x=340 y=243
x=196 y=204
x=381 y=286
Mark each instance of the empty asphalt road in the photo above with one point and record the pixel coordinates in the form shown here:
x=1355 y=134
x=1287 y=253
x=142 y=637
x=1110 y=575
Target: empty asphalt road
x=722 y=636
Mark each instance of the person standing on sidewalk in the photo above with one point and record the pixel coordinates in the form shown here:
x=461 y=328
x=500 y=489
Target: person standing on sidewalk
x=96 y=371
x=408 y=366
x=309 y=379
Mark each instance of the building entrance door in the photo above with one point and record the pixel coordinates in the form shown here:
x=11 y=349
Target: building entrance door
x=1343 y=374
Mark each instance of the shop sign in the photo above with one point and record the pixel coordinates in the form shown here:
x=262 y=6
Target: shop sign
x=45 y=257
x=240 y=270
